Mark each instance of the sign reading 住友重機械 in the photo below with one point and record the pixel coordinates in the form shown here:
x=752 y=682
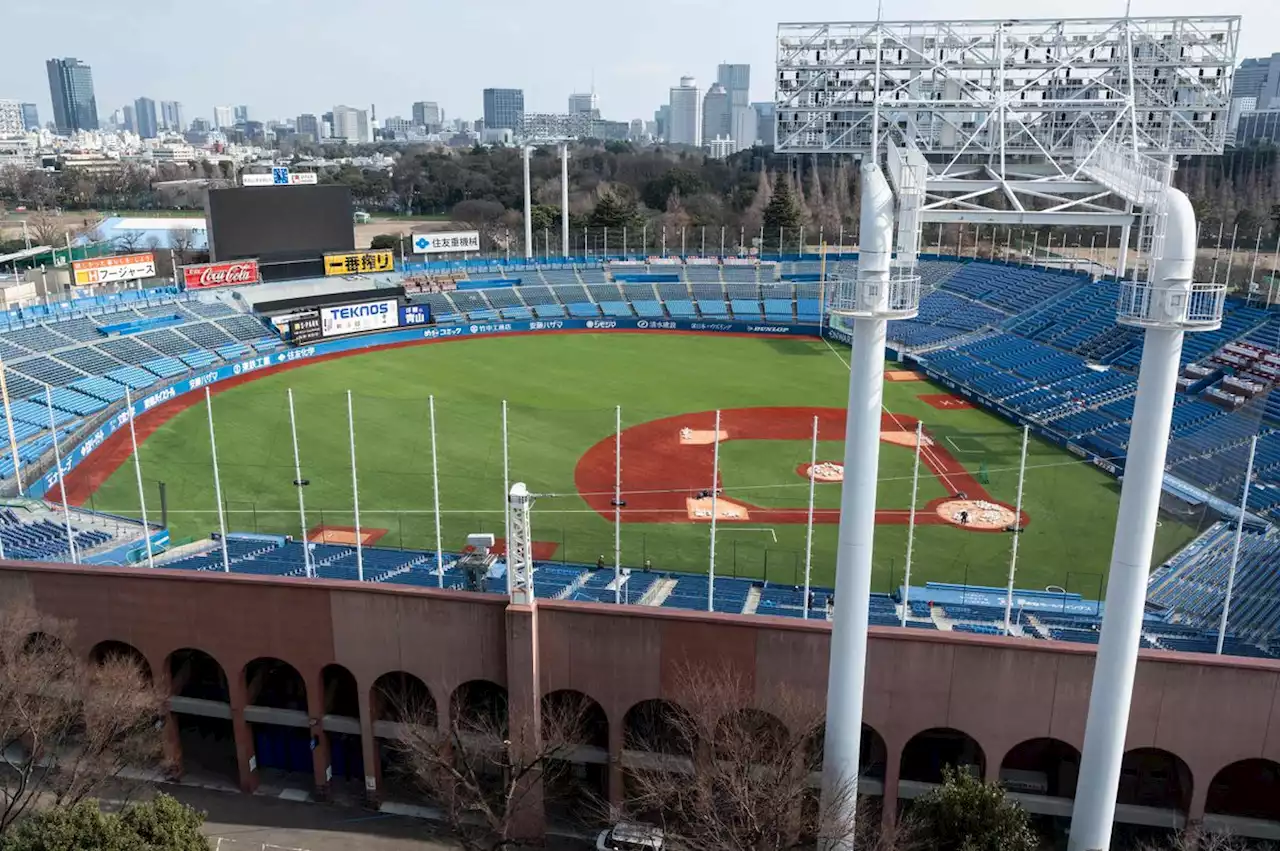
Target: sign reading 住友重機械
x=359 y=262
x=112 y=270
x=235 y=273
x=446 y=241
x=357 y=318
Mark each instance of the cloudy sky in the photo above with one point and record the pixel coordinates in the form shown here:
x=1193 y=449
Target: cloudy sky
x=285 y=57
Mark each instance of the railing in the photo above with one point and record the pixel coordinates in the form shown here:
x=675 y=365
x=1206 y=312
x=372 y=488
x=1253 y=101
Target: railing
x=862 y=298
x=1198 y=308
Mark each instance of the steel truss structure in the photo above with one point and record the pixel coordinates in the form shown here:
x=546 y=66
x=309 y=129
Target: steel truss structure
x=1006 y=114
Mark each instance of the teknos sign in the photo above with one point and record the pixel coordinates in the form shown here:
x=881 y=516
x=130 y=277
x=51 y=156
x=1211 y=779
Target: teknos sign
x=234 y=274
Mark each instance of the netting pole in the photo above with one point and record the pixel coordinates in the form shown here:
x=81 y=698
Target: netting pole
x=715 y=494
x=435 y=490
x=1253 y=272
x=808 y=532
x=8 y=418
x=1235 y=550
x=911 y=523
x=137 y=469
x=506 y=501
x=617 y=504
x=1275 y=276
x=297 y=472
x=355 y=488
x=217 y=483
x=1017 y=532
x=62 y=485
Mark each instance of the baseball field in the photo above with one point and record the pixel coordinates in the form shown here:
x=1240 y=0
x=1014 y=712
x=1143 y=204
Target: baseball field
x=563 y=393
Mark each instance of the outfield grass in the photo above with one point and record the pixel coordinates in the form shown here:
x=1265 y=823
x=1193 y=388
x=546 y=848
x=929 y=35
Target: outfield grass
x=562 y=391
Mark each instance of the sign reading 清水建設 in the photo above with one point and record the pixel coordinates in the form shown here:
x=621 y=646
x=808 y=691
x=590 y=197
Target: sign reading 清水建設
x=358 y=262
x=110 y=270
x=444 y=242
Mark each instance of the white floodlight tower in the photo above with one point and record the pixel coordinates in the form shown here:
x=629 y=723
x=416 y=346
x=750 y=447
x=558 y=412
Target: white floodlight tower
x=877 y=294
x=520 y=547
x=528 y=208
x=564 y=200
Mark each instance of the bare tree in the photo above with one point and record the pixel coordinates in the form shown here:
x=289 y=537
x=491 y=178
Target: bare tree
x=182 y=241
x=1197 y=839
x=67 y=725
x=481 y=775
x=129 y=240
x=721 y=777
x=43 y=226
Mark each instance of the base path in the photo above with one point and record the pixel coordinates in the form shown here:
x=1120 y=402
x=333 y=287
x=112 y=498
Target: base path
x=666 y=478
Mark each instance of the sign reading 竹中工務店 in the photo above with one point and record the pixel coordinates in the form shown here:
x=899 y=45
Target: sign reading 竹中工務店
x=113 y=270
x=444 y=242
x=358 y=262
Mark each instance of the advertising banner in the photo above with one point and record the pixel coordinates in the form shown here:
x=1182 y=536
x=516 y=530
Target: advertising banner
x=232 y=274
x=112 y=270
x=355 y=318
x=415 y=314
x=442 y=243
x=304 y=329
x=358 y=262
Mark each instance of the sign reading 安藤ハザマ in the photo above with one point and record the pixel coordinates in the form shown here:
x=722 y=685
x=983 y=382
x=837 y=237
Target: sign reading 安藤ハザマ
x=359 y=262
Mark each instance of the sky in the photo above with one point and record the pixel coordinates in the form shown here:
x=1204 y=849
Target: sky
x=286 y=57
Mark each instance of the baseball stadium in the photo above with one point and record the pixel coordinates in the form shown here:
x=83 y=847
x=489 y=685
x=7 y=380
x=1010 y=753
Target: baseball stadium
x=306 y=473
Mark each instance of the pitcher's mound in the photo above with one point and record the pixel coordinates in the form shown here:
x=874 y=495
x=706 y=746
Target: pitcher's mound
x=823 y=471
x=726 y=509
x=700 y=437
x=976 y=514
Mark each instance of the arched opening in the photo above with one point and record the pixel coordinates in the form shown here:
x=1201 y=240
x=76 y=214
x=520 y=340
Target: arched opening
x=572 y=784
x=873 y=754
x=120 y=652
x=1041 y=767
x=658 y=726
x=1150 y=777
x=1249 y=788
x=342 y=699
x=52 y=650
x=480 y=707
x=397 y=698
x=277 y=712
x=201 y=709
x=927 y=752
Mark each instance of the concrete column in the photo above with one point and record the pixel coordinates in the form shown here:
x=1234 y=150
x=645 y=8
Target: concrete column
x=892 y=768
x=172 y=748
x=524 y=716
x=617 y=738
x=320 y=752
x=246 y=755
x=369 y=748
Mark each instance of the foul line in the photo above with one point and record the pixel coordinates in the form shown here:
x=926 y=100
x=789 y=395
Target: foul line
x=769 y=529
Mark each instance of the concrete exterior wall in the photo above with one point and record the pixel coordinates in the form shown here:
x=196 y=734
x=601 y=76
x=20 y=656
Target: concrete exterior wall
x=999 y=691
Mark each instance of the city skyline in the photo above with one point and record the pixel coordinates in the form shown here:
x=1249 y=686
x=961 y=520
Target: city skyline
x=631 y=76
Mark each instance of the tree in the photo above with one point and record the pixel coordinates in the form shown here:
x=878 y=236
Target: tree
x=182 y=241
x=782 y=212
x=67 y=725
x=385 y=242
x=163 y=824
x=724 y=778
x=43 y=226
x=613 y=211
x=129 y=240
x=480 y=774
x=966 y=814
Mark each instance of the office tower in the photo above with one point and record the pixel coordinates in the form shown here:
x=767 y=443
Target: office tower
x=308 y=126
x=1258 y=79
x=241 y=114
x=584 y=103
x=736 y=80
x=222 y=118
x=144 y=113
x=662 y=122
x=396 y=127
x=766 y=124
x=427 y=114
x=350 y=124
x=200 y=125
x=716 y=122
x=684 y=124
x=504 y=109
x=11 y=118
x=637 y=132
x=171 y=116
x=30 y=117
x=71 y=90
x=127 y=121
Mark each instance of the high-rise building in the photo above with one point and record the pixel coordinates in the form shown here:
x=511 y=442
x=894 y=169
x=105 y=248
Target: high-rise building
x=71 y=90
x=584 y=103
x=684 y=126
x=171 y=116
x=11 y=119
x=427 y=114
x=396 y=127
x=1259 y=127
x=766 y=124
x=30 y=116
x=637 y=132
x=144 y=113
x=1259 y=79
x=662 y=122
x=716 y=123
x=736 y=79
x=308 y=126
x=241 y=114
x=350 y=124
x=504 y=109
x=127 y=121
x=201 y=125
x=222 y=117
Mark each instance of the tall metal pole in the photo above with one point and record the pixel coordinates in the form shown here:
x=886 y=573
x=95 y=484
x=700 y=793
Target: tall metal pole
x=528 y=209
x=302 y=507
x=1253 y=271
x=62 y=485
x=355 y=488
x=564 y=199
x=217 y=483
x=617 y=504
x=435 y=491
x=8 y=419
x=506 y=489
x=715 y=497
x=911 y=523
x=1235 y=550
x=808 y=531
x=1017 y=531
x=137 y=469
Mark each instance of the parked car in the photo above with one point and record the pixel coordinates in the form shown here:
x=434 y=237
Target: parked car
x=630 y=836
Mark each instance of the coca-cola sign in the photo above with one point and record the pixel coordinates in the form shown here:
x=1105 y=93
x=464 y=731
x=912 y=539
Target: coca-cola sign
x=234 y=274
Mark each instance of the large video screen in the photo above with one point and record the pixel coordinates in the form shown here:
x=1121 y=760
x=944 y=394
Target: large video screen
x=279 y=223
